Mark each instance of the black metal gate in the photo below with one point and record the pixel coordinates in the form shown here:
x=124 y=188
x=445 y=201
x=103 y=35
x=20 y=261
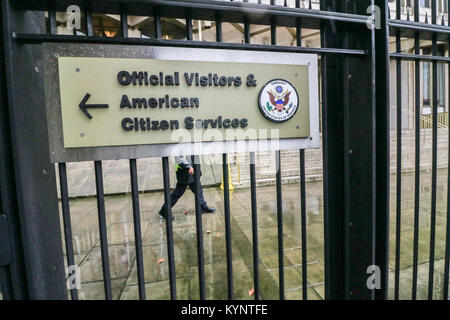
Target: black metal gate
x=355 y=132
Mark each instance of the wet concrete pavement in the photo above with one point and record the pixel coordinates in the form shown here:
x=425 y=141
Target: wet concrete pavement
x=122 y=251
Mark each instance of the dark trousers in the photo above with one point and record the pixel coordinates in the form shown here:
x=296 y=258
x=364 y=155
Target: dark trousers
x=179 y=191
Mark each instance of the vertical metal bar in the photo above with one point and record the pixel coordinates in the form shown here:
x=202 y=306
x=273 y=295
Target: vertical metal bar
x=416 y=10
x=52 y=17
x=103 y=229
x=299 y=32
x=273 y=31
x=332 y=168
x=253 y=199
x=88 y=15
x=434 y=10
x=246 y=31
x=219 y=27
x=383 y=132
x=417 y=158
x=347 y=172
x=226 y=200
x=447 y=238
x=280 y=225
x=123 y=20
x=399 y=172
x=169 y=230
x=226 y=193
x=303 y=215
x=273 y=27
x=254 y=224
x=273 y=34
x=188 y=25
x=67 y=224
x=434 y=158
x=157 y=17
x=199 y=228
x=346 y=142
x=302 y=189
x=137 y=228
x=363 y=162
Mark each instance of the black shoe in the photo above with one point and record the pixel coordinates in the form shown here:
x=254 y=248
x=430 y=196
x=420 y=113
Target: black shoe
x=208 y=210
x=163 y=214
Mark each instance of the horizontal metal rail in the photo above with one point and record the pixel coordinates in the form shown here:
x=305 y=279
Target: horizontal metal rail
x=246 y=8
x=418 y=57
x=265 y=9
x=418 y=26
x=426 y=31
x=40 y=38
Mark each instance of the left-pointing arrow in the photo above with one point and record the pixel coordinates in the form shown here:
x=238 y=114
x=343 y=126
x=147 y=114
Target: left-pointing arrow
x=83 y=106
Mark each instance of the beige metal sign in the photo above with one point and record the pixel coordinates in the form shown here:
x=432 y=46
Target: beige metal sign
x=183 y=96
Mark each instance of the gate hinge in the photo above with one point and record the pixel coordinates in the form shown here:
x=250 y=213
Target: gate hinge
x=5 y=241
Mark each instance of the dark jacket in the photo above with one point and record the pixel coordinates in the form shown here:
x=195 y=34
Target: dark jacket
x=182 y=165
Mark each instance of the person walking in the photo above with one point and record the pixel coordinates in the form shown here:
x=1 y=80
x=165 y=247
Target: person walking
x=185 y=178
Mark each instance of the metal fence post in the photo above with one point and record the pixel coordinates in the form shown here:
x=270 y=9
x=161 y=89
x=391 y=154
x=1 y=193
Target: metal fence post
x=11 y=262
x=33 y=183
x=349 y=157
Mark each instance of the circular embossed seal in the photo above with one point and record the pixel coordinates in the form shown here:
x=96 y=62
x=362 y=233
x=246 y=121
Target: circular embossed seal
x=278 y=100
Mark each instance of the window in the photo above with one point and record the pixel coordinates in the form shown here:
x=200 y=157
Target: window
x=441 y=80
x=443 y=6
x=404 y=3
x=441 y=86
x=425 y=3
x=427 y=82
